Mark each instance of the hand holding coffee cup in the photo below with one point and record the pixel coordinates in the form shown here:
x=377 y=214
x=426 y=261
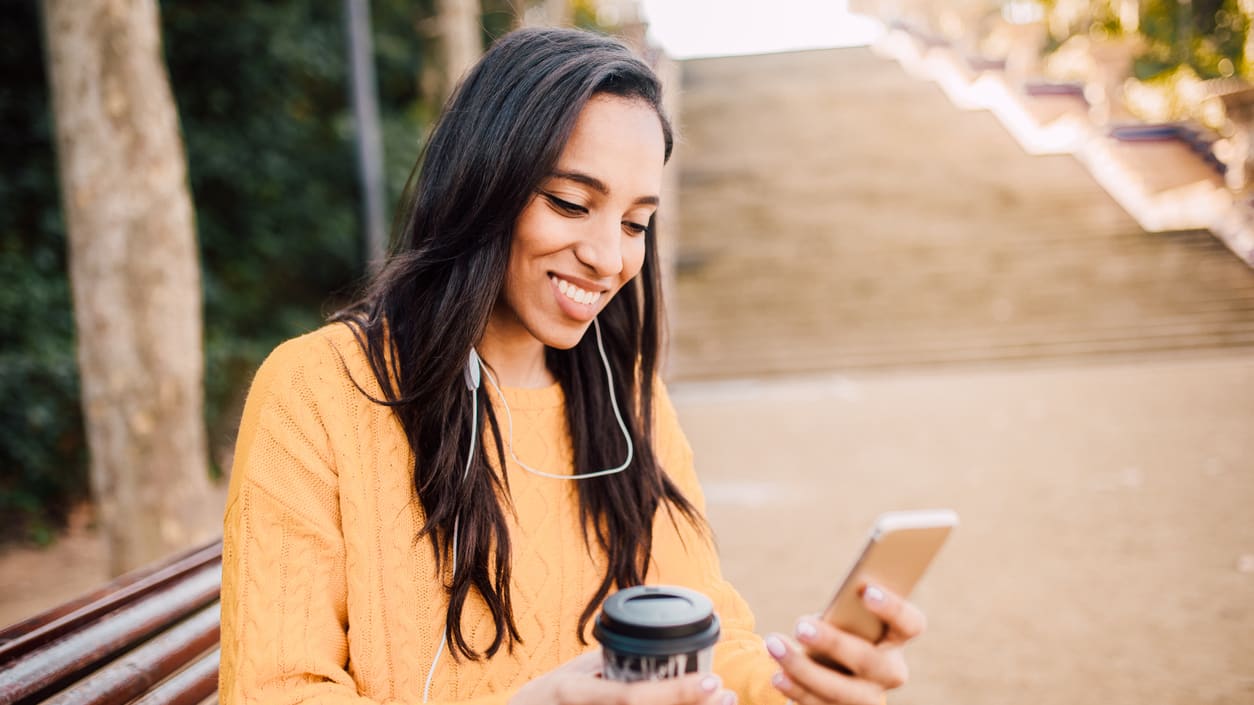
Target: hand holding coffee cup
x=657 y=648
x=655 y=632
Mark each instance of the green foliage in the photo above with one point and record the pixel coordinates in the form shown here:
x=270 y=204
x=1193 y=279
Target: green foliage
x=269 y=130
x=1207 y=36
x=263 y=100
x=42 y=449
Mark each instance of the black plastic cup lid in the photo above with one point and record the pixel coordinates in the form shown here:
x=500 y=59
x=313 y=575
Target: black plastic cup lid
x=657 y=620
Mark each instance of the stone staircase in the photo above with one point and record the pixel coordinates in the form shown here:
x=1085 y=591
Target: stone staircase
x=837 y=215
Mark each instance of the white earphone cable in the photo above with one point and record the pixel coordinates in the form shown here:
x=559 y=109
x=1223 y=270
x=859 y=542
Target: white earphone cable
x=474 y=429
x=473 y=384
x=609 y=377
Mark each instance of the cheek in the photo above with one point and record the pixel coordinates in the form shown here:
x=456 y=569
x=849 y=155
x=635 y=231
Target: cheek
x=527 y=248
x=515 y=273
x=633 y=257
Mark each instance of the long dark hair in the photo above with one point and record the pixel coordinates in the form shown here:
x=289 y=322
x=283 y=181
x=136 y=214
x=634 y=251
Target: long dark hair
x=500 y=135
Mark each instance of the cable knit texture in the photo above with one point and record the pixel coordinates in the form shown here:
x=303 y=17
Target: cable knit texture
x=328 y=595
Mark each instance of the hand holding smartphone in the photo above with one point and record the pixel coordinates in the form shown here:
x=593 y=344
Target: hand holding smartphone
x=895 y=556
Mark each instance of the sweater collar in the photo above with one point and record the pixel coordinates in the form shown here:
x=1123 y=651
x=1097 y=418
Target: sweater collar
x=518 y=398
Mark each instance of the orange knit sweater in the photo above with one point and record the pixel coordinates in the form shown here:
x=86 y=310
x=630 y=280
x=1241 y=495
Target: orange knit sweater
x=329 y=597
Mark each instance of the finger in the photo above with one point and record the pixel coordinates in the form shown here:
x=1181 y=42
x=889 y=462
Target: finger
x=805 y=681
x=799 y=696
x=904 y=620
x=589 y=663
x=695 y=689
x=860 y=657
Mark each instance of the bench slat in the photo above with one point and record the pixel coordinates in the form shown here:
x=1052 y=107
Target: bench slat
x=30 y=634
x=54 y=663
x=191 y=686
x=129 y=676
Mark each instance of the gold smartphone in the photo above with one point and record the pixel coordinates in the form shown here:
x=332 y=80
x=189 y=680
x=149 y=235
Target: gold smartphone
x=898 y=551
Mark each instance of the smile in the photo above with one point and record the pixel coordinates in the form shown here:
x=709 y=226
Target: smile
x=576 y=294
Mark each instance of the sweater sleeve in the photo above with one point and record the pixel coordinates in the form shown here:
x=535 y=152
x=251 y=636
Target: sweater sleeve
x=691 y=560
x=284 y=585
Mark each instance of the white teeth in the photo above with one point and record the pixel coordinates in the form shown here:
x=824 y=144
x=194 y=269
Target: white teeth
x=575 y=293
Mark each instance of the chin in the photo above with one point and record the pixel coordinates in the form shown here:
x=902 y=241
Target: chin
x=563 y=337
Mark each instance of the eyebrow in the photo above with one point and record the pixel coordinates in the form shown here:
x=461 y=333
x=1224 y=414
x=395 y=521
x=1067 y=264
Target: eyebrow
x=598 y=185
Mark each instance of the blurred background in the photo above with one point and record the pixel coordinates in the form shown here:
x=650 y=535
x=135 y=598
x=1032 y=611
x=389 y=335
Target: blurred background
x=989 y=255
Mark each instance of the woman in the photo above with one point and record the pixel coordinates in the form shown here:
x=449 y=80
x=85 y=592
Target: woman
x=433 y=494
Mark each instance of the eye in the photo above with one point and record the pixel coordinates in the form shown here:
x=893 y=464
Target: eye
x=635 y=228
x=564 y=206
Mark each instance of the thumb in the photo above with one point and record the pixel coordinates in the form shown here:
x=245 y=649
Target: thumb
x=588 y=663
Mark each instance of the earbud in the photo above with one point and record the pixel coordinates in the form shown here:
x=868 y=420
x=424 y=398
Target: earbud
x=472 y=371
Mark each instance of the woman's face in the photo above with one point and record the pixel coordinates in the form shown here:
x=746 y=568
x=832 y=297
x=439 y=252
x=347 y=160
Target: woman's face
x=581 y=237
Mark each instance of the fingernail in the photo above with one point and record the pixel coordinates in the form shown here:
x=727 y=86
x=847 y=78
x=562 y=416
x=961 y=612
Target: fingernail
x=806 y=630
x=873 y=595
x=729 y=699
x=711 y=683
x=775 y=646
x=779 y=680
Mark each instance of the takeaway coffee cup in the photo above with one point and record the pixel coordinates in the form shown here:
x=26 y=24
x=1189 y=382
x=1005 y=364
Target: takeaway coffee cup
x=651 y=632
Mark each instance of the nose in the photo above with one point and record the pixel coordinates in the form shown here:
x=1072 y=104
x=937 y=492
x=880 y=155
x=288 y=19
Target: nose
x=601 y=247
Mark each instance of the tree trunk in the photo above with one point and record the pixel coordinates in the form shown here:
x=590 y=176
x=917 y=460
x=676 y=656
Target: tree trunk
x=364 y=96
x=559 y=13
x=460 y=41
x=134 y=276
x=548 y=13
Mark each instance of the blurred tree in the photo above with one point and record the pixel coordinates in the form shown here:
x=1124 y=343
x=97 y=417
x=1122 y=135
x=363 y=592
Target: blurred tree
x=545 y=13
x=42 y=451
x=559 y=13
x=134 y=276
x=1207 y=36
x=460 y=38
x=262 y=95
x=365 y=99
x=1169 y=49
x=269 y=127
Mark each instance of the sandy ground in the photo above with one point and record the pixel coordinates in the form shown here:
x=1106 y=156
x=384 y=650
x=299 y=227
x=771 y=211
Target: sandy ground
x=34 y=579
x=1106 y=553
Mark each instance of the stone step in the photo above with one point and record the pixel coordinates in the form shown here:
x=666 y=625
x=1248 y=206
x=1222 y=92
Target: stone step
x=952 y=321
x=774 y=358
x=837 y=213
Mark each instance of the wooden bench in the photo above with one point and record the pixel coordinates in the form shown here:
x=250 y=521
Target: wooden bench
x=149 y=637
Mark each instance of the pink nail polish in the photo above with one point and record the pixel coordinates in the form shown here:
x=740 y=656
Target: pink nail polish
x=775 y=647
x=806 y=630
x=873 y=595
x=711 y=683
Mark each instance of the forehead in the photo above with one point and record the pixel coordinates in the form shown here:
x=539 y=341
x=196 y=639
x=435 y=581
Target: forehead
x=619 y=141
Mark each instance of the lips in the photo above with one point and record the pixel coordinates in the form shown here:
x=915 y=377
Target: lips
x=576 y=293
